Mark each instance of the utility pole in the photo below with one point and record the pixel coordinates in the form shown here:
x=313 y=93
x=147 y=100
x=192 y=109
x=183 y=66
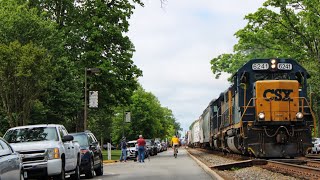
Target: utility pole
x=123 y=120
x=85 y=101
x=126 y=118
x=85 y=114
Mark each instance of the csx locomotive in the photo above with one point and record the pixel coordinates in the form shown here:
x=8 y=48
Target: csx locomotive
x=264 y=113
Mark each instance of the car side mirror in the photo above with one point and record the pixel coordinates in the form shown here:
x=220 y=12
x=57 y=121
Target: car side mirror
x=67 y=138
x=94 y=145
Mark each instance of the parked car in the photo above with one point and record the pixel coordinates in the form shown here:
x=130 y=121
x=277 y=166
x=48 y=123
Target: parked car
x=46 y=150
x=91 y=154
x=131 y=150
x=164 y=146
x=159 y=147
x=10 y=162
x=316 y=145
x=152 y=148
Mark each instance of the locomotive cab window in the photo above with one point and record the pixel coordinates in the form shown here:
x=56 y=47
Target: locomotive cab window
x=300 y=78
x=244 y=80
x=215 y=109
x=271 y=76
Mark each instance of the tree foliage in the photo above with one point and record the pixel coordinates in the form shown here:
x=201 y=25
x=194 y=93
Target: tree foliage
x=148 y=118
x=276 y=30
x=45 y=47
x=24 y=60
x=93 y=34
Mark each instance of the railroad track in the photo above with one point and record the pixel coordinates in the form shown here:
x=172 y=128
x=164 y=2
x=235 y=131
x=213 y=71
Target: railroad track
x=313 y=156
x=296 y=168
x=302 y=167
x=233 y=156
x=306 y=171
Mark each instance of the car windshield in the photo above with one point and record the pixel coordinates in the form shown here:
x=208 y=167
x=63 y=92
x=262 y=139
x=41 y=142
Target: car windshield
x=31 y=134
x=81 y=139
x=131 y=144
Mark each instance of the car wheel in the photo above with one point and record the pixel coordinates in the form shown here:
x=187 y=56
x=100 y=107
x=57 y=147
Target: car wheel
x=62 y=175
x=22 y=176
x=76 y=175
x=99 y=170
x=90 y=172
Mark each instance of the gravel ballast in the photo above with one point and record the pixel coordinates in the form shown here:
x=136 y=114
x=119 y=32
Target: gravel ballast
x=249 y=173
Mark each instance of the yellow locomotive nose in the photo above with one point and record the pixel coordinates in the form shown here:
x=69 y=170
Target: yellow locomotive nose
x=278 y=100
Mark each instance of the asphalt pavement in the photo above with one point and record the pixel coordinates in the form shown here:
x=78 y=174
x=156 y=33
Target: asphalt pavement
x=160 y=167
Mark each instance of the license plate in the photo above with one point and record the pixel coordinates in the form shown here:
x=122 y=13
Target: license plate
x=25 y=174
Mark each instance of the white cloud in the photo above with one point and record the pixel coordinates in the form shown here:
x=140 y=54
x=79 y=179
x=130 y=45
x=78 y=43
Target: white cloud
x=174 y=47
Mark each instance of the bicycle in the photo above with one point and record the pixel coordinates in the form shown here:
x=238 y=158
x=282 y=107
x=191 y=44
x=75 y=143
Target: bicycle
x=175 y=151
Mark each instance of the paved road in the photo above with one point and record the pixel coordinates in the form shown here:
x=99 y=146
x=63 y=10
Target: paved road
x=160 y=167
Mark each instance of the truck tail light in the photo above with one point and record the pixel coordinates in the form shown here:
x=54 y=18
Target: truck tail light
x=83 y=151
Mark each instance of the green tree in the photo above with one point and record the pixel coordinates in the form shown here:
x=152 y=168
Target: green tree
x=58 y=96
x=148 y=118
x=23 y=76
x=94 y=34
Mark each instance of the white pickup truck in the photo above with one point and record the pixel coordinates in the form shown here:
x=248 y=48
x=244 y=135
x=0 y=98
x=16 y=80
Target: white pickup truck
x=47 y=150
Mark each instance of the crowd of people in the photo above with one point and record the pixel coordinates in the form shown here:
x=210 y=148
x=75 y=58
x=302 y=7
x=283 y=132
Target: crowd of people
x=140 y=148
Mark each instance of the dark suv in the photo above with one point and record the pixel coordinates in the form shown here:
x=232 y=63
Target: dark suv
x=152 y=148
x=91 y=154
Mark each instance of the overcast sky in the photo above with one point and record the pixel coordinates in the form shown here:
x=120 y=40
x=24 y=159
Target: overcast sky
x=174 y=46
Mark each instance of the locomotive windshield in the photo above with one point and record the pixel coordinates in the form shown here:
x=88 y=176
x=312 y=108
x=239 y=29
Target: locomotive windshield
x=271 y=76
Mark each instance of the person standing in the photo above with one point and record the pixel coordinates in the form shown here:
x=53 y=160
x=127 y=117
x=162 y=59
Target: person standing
x=123 y=146
x=141 y=148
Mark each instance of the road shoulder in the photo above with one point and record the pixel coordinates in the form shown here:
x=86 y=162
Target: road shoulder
x=209 y=171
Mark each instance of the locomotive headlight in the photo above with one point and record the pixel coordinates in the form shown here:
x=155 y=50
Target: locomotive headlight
x=299 y=115
x=273 y=63
x=261 y=115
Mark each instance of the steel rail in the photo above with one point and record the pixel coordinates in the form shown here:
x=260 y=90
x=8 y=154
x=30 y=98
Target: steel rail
x=299 y=170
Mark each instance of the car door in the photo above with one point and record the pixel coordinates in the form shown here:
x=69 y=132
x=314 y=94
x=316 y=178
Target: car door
x=94 y=146
x=9 y=162
x=68 y=150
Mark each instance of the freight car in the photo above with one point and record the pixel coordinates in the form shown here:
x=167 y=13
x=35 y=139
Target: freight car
x=195 y=136
x=264 y=113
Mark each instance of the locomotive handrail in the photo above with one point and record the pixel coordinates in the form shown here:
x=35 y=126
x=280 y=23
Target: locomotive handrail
x=244 y=112
x=312 y=114
x=302 y=106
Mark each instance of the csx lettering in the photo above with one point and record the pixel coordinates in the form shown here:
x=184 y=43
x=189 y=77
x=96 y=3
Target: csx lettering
x=278 y=94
